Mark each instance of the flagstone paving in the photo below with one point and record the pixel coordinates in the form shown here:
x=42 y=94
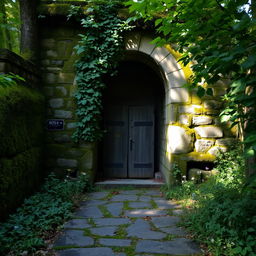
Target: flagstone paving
x=125 y=223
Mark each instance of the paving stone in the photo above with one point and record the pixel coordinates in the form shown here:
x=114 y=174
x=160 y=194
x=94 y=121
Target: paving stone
x=89 y=212
x=145 y=212
x=142 y=229
x=77 y=223
x=90 y=203
x=98 y=251
x=111 y=221
x=165 y=221
x=123 y=198
x=165 y=204
x=140 y=205
x=178 y=246
x=114 y=242
x=73 y=237
x=144 y=198
x=153 y=193
x=98 y=195
x=177 y=231
x=177 y=212
x=104 y=231
x=115 y=208
x=130 y=192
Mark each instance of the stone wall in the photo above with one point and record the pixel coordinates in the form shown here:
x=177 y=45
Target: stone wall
x=57 y=67
x=21 y=133
x=191 y=128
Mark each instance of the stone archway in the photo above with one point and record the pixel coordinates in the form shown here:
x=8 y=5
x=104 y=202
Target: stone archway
x=176 y=138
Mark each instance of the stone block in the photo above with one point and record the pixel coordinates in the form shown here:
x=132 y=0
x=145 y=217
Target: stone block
x=50 y=78
x=63 y=114
x=178 y=95
x=132 y=41
x=209 y=131
x=184 y=119
x=51 y=54
x=55 y=70
x=212 y=104
x=179 y=140
x=86 y=162
x=170 y=64
x=56 y=103
x=227 y=142
x=62 y=137
x=201 y=120
x=71 y=125
x=65 y=48
x=57 y=63
x=66 y=78
x=146 y=46
x=170 y=114
x=191 y=109
x=61 y=91
x=203 y=145
x=176 y=79
x=68 y=163
x=48 y=43
x=159 y=53
x=216 y=150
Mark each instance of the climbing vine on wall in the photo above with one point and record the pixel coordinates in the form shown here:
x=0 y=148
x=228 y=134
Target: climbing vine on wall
x=99 y=51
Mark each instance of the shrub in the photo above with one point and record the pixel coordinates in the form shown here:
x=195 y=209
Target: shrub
x=223 y=211
x=41 y=214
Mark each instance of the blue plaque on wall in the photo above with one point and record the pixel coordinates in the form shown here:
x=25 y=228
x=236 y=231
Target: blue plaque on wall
x=55 y=124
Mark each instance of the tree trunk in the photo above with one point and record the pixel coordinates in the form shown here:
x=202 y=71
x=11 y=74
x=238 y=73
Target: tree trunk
x=4 y=33
x=251 y=161
x=29 y=37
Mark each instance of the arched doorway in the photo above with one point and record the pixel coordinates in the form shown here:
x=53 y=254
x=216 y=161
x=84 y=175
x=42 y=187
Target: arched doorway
x=133 y=120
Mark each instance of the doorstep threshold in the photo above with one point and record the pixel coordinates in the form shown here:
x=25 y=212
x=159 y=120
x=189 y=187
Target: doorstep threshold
x=143 y=183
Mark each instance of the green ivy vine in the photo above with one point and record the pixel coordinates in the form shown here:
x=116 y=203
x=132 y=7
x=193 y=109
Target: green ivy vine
x=99 y=50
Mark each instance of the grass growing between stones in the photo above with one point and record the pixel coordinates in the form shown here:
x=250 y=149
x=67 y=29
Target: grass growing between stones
x=128 y=250
x=153 y=204
x=91 y=222
x=105 y=211
x=121 y=232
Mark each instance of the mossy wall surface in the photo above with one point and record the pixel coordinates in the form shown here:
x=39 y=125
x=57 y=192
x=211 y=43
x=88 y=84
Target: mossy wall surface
x=58 y=38
x=21 y=140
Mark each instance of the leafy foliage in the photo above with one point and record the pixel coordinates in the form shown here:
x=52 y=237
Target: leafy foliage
x=10 y=79
x=99 y=49
x=40 y=215
x=10 y=25
x=222 y=212
x=218 y=37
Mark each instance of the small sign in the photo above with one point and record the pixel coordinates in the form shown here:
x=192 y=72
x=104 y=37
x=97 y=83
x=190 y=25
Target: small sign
x=55 y=124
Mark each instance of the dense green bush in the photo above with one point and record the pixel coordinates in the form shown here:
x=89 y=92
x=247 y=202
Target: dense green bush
x=223 y=212
x=41 y=214
x=21 y=140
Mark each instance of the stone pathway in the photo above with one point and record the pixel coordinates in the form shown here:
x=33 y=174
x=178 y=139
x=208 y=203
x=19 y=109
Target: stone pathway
x=125 y=223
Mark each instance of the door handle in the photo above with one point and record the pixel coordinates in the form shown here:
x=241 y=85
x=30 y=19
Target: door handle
x=131 y=141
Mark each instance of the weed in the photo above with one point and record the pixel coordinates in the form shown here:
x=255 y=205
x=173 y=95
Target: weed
x=40 y=215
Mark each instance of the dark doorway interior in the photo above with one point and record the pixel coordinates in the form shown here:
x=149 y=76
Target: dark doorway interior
x=133 y=111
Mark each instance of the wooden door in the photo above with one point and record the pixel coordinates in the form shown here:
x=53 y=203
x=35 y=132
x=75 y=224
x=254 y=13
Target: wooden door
x=141 y=142
x=129 y=142
x=115 y=142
